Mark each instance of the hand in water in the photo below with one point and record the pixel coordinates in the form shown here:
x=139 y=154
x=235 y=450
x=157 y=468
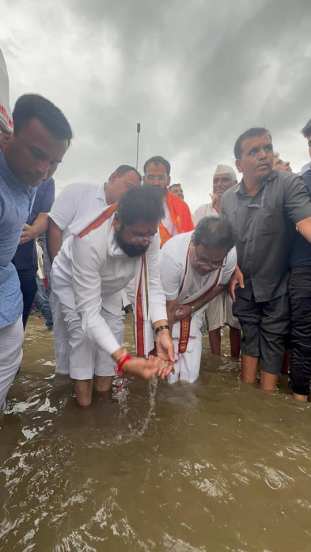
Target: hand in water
x=147 y=368
x=165 y=350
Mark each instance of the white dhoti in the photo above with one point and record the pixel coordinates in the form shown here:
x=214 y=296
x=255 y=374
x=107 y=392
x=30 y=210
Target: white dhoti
x=187 y=365
x=219 y=313
x=11 y=354
x=75 y=354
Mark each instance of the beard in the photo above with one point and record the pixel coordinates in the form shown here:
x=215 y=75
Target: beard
x=129 y=249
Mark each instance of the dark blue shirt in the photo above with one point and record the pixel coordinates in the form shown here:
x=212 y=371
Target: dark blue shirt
x=16 y=200
x=26 y=254
x=301 y=252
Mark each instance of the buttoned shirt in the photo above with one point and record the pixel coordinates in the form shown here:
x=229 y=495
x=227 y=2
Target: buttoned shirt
x=16 y=200
x=301 y=250
x=264 y=227
x=88 y=270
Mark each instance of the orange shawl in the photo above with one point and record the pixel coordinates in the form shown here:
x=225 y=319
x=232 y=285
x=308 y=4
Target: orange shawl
x=180 y=216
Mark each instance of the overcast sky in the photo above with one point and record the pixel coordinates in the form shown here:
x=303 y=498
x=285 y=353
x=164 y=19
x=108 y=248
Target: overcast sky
x=195 y=73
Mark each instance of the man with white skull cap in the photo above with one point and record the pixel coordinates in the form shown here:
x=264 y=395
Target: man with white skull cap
x=219 y=310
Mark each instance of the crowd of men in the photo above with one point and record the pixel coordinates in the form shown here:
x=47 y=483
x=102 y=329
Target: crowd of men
x=242 y=260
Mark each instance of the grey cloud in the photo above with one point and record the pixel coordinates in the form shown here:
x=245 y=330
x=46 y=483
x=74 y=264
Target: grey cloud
x=195 y=74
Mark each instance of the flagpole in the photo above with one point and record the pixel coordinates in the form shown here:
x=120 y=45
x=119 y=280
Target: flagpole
x=137 y=145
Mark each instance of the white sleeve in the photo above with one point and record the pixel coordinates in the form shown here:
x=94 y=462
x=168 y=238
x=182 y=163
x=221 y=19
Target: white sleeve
x=229 y=267
x=198 y=214
x=170 y=271
x=87 y=288
x=157 y=298
x=64 y=207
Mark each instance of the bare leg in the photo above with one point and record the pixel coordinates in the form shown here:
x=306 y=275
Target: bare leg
x=235 y=342
x=103 y=383
x=215 y=341
x=249 y=369
x=83 y=390
x=301 y=398
x=268 y=381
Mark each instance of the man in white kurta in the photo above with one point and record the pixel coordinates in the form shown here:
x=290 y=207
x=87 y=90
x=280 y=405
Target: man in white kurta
x=95 y=265
x=219 y=310
x=195 y=267
x=77 y=206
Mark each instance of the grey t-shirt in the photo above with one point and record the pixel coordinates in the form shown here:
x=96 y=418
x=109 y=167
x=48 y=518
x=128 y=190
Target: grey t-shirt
x=264 y=227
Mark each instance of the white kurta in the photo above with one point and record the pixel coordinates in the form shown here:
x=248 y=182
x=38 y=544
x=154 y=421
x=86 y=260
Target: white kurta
x=89 y=270
x=172 y=266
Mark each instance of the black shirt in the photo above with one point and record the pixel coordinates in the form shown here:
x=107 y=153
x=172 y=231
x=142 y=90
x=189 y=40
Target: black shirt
x=301 y=251
x=264 y=228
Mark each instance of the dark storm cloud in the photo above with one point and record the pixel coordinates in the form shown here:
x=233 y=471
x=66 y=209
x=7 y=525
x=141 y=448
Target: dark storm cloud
x=196 y=74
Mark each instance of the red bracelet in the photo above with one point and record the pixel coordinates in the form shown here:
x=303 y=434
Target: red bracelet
x=121 y=362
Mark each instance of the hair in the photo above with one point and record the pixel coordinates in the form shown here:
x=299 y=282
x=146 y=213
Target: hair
x=141 y=204
x=213 y=231
x=30 y=106
x=250 y=133
x=158 y=160
x=123 y=169
x=174 y=186
x=306 y=131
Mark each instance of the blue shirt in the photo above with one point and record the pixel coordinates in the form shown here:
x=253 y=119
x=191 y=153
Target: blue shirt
x=26 y=254
x=16 y=200
x=301 y=252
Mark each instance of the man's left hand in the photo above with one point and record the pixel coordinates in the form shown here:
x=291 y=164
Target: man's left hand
x=165 y=349
x=182 y=311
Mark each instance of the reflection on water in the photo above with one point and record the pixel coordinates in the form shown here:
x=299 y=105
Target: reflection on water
x=215 y=466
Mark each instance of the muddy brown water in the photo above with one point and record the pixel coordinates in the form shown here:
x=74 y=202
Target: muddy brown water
x=210 y=467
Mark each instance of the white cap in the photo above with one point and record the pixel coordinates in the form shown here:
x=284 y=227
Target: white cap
x=6 y=122
x=225 y=169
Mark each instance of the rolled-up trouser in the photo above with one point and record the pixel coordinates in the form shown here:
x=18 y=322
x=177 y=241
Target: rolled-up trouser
x=83 y=356
x=300 y=329
x=265 y=327
x=11 y=353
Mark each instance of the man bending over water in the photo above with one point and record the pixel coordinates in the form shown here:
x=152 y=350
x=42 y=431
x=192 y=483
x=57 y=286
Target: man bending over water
x=121 y=244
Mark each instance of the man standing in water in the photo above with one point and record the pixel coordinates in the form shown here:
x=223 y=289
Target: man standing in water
x=41 y=137
x=121 y=244
x=300 y=302
x=219 y=310
x=177 y=216
x=195 y=267
x=263 y=211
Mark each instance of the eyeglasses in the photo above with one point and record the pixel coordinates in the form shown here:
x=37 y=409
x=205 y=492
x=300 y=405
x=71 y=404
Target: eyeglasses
x=207 y=263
